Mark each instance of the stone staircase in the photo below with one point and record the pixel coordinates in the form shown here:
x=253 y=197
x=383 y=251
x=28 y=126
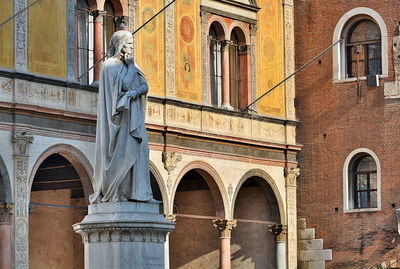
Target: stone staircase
x=392 y=264
x=310 y=251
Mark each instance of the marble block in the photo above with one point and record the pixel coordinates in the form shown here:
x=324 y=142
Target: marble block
x=124 y=235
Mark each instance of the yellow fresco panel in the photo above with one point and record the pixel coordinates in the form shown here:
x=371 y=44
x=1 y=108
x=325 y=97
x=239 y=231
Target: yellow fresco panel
x=47 y=38
x=270 y=58
x=150 y=45
x=6 y=35
x=188 y=56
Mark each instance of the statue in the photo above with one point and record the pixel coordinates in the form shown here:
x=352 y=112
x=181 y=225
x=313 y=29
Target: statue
x=122 y=152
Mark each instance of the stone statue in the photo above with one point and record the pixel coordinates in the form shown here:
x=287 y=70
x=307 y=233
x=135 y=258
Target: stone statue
x=122 y=152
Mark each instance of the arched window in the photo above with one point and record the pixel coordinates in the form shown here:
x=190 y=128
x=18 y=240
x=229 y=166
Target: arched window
x=108 y=24
x=362 y=180
x=215 y=66
x=83 y=40
x=363 y=49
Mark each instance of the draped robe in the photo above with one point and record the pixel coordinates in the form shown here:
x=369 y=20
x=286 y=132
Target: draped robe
x=122 y=152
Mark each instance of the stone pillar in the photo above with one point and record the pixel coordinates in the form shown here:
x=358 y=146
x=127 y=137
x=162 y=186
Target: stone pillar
x=398 y=219
x=224 y=228
x=253 y=69
x=124 y=235
x=98 y=49
x=205 y=50
x=280 y=238
x=21 y=36
x=291 y=174
x=5 y=236
x=21 y=193
x=170 y=36
x=289 y=57
x=226 y=103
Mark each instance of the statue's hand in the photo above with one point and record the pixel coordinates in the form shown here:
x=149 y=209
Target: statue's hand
x=132 y=94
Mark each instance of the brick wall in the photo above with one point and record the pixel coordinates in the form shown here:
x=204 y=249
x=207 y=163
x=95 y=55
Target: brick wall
x=333 y=124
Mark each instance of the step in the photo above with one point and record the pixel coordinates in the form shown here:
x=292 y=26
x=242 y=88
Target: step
x=315 y=255
x=313 y=244
x=306 y=234
x=312 y=265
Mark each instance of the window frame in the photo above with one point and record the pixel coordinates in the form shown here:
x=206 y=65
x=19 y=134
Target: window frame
x=339 y=50
x=349 y=181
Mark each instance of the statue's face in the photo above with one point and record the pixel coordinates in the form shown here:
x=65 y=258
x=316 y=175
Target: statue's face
x=128 y=46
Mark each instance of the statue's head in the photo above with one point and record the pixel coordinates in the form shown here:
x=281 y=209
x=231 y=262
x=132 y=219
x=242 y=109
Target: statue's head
x=121 y=43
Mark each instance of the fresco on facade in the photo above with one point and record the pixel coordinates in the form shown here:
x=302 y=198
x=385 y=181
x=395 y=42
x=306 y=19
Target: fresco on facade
x=6 y=35
x=270 y=58
x=188 y=43
x=43 y=57
x=150 y=45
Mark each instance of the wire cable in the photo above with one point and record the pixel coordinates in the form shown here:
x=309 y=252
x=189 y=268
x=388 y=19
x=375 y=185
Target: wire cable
x=18 y=13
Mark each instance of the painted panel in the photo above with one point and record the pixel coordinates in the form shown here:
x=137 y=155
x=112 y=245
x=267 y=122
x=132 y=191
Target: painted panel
x=150 y=45
x=47 y=38
x=188 y=65
x=270 y=58
x=7 y=35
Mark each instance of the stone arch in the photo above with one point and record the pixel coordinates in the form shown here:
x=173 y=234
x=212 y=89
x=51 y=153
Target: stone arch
x=220 y=22
x=268 y=180
x=78 y=161
x=213 y=181
x=157 y=175
x=5 y=183
x=120 y=6
x=243 y=30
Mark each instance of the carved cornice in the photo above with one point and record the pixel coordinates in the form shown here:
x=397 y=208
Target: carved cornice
x=224 y=227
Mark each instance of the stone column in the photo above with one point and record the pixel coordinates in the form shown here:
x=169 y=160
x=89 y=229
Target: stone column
x=398 y=219
x=5 y=236
x=124 y=235
x=291 y=174
x=98 y=49
x=280 y=239
x=21 y=36
x=226 y=103
x=21 y=190
x=289 y=57
x=224 y=228
x=170 y=60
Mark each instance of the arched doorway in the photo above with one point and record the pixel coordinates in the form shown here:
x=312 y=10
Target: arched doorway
x=252 y=245
x=57 y=201
x=195 y=242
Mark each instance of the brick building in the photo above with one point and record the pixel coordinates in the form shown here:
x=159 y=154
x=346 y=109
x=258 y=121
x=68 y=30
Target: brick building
x=212 y=165
x=349 y=182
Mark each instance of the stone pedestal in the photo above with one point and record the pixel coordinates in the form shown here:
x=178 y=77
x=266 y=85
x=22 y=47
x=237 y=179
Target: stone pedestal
x=124 y=235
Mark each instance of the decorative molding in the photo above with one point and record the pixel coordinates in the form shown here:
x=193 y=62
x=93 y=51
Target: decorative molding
x=289 y=60
x=170 y=160
x=132 y=6
x=71 y=33
x=21 y=187
x=21 y=36
x=224 y=227
x=204 y=54
x=170 y=60
x=291 y=174
x=392 y=89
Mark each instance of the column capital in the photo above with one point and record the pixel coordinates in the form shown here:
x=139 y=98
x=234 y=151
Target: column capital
x=6 y=210
x=224 y=227
x=204 y=16
x=170 y=160
x=21 y=143
x=171 y=217
x=225 y=44
x=98 y=15
x=291 y=174
x=279 y=231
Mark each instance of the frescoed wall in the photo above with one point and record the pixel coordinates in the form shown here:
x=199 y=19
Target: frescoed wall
x=47 y=38
x=150 y=45
x=270 y=58
x=7 y=35
x=188 y=66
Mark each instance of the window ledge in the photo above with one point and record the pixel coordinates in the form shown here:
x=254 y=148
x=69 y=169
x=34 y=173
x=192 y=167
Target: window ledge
x=361 y=210
x=349 y=80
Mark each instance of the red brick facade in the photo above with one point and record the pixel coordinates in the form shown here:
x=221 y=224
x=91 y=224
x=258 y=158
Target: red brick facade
x=333 y=123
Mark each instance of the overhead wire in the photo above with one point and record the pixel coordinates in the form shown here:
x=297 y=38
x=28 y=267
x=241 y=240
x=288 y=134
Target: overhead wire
x=19 y=12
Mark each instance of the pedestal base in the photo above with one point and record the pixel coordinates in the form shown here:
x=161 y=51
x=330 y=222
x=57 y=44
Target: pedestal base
x=124 y=235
